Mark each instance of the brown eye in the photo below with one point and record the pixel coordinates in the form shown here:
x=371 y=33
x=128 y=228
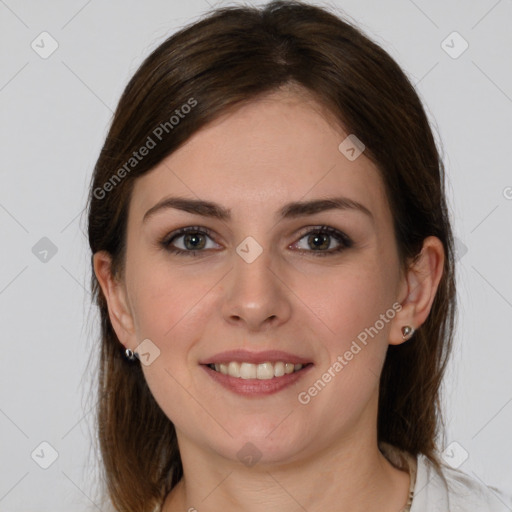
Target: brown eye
x=194 y=241
x=324 y=241
x=188 y=240
x=319 y=241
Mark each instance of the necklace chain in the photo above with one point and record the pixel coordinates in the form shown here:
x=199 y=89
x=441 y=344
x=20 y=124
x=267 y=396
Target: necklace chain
x=404 y=461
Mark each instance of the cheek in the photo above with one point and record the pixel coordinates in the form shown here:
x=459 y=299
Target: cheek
x=170 y=309
x=348 y=299
x=165 y=299
x=355 y=303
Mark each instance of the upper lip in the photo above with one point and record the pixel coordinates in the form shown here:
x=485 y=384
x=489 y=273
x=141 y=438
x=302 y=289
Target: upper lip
x=245 y=356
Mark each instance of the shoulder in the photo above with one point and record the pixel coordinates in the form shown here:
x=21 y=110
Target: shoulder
x=455 y=491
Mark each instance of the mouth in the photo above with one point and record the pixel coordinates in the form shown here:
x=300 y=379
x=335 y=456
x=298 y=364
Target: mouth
x=254 y=374
x=252 y=380
x=262 y=371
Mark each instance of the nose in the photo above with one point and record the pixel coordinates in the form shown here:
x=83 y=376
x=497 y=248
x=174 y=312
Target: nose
x=256 y=295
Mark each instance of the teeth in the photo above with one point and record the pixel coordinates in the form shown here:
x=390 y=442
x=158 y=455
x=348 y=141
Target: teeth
x=279 y=369
x=248 y=371
x=263 y=371
x=234 y=369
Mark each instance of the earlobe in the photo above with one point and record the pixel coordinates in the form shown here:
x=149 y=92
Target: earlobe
x=418 y=290
x=115 y=295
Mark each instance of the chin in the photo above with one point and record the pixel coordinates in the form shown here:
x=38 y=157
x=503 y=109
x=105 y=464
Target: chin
x=264 y=444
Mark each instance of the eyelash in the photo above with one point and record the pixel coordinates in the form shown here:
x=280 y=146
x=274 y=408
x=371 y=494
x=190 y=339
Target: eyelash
x=342 y=238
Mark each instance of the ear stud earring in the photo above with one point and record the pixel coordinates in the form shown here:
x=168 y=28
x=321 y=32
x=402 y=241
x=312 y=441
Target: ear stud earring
x=407 y=332
x=130 y=354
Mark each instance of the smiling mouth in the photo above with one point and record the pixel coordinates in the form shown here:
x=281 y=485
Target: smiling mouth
x=262 y=371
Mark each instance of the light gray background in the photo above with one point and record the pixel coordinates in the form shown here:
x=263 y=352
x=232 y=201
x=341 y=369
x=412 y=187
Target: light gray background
x=54 y=117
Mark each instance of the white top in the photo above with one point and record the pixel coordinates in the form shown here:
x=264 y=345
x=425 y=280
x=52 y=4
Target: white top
x=454 y=491
x=450 y=490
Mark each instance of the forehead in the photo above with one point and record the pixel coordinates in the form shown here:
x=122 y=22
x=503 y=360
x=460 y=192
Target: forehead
x=283 y=147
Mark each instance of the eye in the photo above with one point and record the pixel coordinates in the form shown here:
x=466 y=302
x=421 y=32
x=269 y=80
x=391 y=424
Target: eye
x=321 y=241
x=193 y=239
x=190 y=240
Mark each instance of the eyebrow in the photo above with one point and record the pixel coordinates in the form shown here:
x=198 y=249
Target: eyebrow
x=288 y=211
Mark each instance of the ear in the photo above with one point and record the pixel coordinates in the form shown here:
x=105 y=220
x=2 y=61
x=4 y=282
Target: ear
x=418 y=289
x=115 y=295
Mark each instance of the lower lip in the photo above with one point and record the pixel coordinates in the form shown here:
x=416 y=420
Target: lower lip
x=256 y=387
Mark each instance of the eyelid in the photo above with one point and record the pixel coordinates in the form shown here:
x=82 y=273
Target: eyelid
x=177 y=233
x=326 y=229
x=344 y=240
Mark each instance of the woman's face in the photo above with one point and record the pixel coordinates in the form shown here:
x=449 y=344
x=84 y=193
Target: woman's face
x=264 y=278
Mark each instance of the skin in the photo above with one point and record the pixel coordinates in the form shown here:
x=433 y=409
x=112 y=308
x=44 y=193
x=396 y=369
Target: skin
x=272 y=151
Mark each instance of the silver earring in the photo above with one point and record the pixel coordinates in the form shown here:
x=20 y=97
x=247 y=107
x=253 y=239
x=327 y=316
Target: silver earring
x=407 y=332
x=130 y=354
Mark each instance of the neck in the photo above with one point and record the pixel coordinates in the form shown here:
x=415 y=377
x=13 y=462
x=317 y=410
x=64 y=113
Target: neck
x=353 y=475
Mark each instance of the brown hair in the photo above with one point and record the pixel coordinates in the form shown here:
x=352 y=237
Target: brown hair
x=226 y=59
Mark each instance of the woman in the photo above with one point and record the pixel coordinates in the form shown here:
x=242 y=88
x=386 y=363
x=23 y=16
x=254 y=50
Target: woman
x=273 y=262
